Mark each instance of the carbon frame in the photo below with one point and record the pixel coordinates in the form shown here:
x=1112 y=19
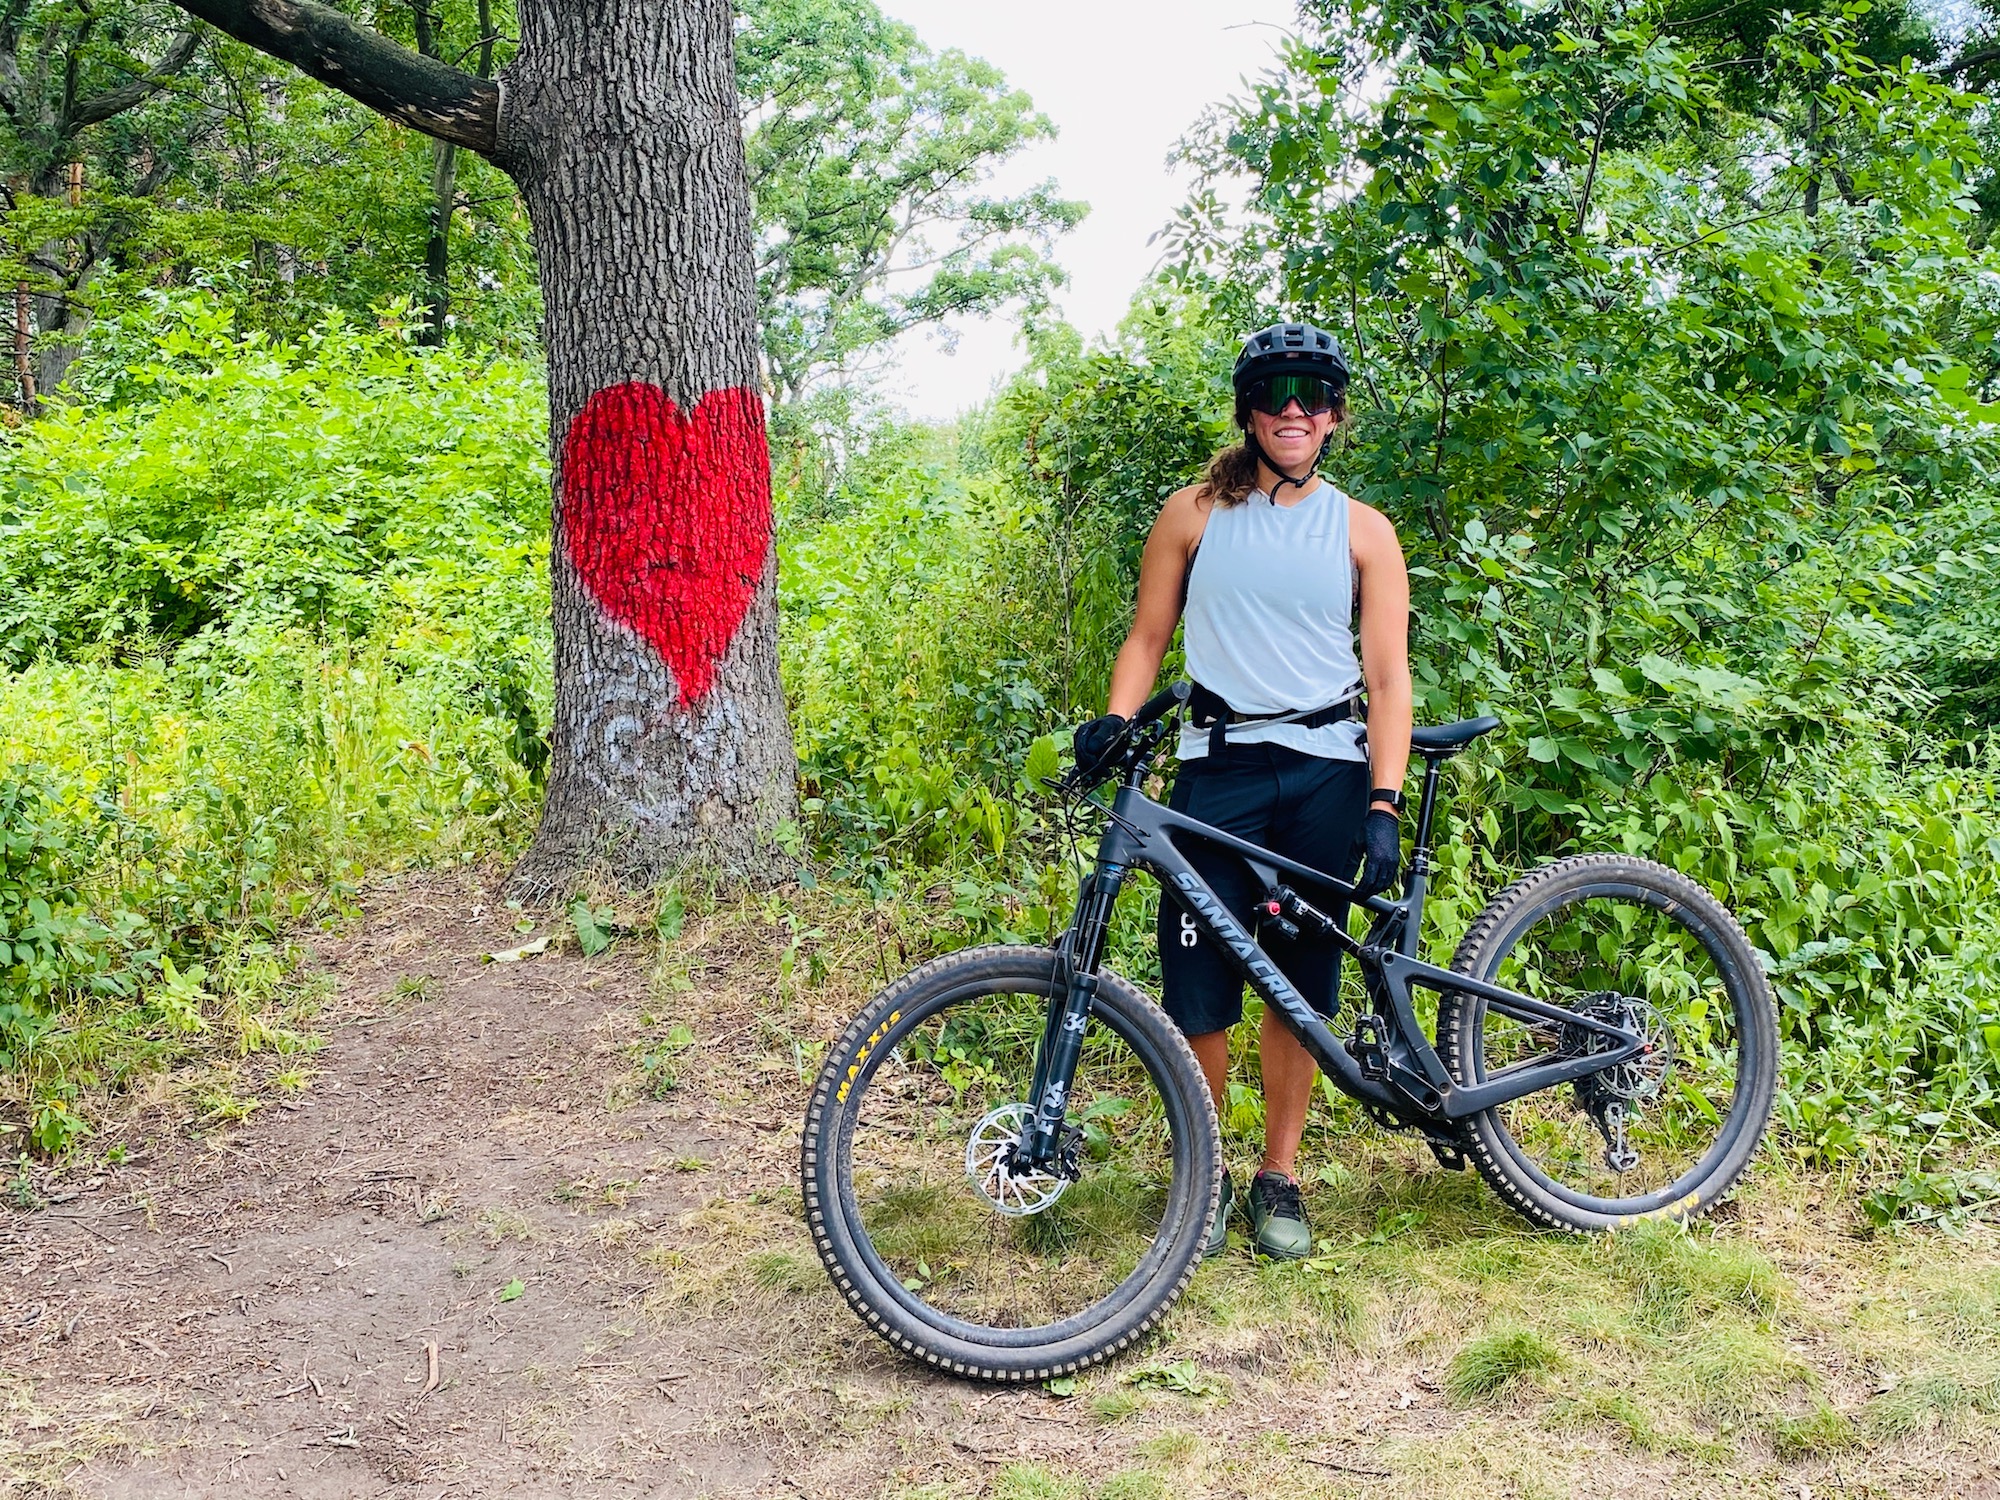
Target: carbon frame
x=1417 y=1089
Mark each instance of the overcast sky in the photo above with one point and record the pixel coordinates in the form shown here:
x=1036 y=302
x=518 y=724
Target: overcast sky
x=1122 y=79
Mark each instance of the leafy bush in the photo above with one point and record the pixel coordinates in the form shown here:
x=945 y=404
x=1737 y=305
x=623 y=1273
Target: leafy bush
x=277 y=616
x=229 y=478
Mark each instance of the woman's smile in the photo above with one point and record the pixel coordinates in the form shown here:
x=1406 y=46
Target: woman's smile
x=1292 y=438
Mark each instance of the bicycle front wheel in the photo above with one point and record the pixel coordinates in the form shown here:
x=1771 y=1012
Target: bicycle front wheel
x=923 y=1220
x=1640 y=946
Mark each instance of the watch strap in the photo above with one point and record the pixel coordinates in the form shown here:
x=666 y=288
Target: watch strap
x=1391 y=796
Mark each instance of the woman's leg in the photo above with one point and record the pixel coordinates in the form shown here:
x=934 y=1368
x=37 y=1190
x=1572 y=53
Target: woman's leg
x=1288 y=1080
x=1321 y=805
x=1211 y=1050
x=1200 y=986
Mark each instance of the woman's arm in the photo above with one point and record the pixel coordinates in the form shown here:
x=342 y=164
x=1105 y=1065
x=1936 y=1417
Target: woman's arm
x=1162 y=576
x=1385 y=643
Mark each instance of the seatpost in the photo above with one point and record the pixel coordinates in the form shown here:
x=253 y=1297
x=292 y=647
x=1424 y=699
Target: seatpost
x=1425 y=811
x=1420 y=861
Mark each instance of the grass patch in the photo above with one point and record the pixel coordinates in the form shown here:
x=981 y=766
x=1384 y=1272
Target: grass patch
x=1494 y=1362
x=1821 y=1431
x=1731 y=1373
x=1033 y=1482
x=1172 y=1448
x=1934 y=1402
x=1679 y=1275
x=781 y=1271
x=1613 y=1409
x=503 y=1224
x=1114 y=1405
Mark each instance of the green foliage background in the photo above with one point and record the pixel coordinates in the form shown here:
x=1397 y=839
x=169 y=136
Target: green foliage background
x=1675 y=387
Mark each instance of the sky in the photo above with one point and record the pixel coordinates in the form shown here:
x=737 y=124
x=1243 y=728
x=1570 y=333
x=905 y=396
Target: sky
x=1122 y=80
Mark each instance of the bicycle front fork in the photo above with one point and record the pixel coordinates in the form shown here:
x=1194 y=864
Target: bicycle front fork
x=1069 y=1015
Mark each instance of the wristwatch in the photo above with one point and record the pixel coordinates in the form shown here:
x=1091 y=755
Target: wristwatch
x=1389 y=795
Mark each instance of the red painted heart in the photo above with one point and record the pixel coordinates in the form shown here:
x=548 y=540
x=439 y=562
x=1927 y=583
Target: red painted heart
x=667 y=519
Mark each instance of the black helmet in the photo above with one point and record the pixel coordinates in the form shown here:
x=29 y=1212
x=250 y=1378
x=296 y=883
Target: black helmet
x=1290 y=349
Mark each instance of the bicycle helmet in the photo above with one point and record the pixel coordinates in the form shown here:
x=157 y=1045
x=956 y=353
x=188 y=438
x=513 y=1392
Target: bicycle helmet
x=1289 y=349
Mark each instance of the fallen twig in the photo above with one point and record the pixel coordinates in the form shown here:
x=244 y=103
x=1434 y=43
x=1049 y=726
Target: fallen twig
x=436 y=1370
x=1331 y=1463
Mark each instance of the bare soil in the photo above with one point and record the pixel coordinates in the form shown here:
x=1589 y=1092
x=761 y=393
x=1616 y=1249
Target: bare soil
x=477 y=1256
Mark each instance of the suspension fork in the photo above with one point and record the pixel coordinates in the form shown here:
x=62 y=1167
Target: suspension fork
x=1062 y=1036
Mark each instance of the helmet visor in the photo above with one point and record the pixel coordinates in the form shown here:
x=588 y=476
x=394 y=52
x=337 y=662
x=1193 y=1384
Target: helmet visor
x=1272 y=394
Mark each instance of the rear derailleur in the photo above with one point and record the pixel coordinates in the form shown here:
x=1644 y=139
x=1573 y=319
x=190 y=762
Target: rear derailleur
x=1608 y=1096
x=1609 y=1116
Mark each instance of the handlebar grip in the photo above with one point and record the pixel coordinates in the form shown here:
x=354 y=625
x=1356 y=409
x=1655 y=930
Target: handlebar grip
x=1160 y=703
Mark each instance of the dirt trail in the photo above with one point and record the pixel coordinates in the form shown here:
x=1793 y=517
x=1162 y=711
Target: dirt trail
x=263 y=1311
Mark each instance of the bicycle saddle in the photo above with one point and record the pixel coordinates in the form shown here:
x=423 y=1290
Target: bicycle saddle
x=1444 y=739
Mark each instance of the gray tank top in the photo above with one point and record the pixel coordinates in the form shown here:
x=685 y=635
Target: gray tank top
x=1269 y=620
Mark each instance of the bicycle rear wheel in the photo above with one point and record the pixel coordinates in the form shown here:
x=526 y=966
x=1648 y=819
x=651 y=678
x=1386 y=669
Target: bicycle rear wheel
x=943 y=1248
x=1628 y=941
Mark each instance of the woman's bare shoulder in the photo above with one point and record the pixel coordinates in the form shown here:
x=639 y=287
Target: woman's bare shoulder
x=1369 y=526
x=1183 y=513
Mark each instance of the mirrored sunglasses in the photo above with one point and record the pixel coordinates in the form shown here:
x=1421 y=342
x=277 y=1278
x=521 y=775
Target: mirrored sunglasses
x=1273 y=393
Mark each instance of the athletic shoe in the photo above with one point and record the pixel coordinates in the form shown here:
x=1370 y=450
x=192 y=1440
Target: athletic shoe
x=1218 y=1232
x=1278 y=1218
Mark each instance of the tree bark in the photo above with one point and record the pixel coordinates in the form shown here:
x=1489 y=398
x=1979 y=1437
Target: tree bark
x=621 y=130
x=437 y=244
x=444 y=184
x=414 y=90
x=24 y=367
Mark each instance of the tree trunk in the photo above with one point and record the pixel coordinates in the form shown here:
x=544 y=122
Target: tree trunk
x=618 y=121
x=437 y=249
x=61 y=319
x=24 y=365
x=670 y=745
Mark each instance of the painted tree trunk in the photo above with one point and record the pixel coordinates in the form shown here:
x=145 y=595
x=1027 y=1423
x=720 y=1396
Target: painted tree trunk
x=670 y=744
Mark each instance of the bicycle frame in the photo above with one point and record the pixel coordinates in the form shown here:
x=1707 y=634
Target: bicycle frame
x=1416 y=1090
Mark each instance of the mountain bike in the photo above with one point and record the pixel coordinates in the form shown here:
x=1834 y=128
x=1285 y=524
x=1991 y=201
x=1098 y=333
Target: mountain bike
x=1011 y=1158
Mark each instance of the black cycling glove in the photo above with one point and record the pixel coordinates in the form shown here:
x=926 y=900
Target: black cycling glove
x=1096 y=739
x=1382 y=835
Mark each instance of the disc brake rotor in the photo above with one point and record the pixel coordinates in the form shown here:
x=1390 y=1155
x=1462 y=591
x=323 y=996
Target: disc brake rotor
x=990 y=1164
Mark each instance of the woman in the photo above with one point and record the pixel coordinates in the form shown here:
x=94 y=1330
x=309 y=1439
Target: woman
x=1264 y=562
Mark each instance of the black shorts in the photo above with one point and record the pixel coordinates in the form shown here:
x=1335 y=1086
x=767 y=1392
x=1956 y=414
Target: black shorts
x=1305 y=807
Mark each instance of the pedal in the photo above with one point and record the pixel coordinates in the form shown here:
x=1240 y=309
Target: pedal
x=1450 y=1154
x=1368 y=1049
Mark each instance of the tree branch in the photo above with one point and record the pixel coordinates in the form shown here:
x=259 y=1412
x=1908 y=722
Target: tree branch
x=1968 y=62
x=136 y=91
x=319 y=41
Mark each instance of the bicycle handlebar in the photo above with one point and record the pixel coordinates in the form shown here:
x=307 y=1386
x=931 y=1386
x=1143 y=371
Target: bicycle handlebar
x=1160 y=703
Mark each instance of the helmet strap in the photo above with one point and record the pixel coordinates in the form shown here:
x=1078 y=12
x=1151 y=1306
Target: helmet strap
x=1298 y=483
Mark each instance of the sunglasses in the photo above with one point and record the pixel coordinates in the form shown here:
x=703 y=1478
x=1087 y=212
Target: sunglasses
x=1274 y=393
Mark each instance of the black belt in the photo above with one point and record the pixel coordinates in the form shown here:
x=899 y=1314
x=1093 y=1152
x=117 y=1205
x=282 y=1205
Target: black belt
x=1208 y=710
